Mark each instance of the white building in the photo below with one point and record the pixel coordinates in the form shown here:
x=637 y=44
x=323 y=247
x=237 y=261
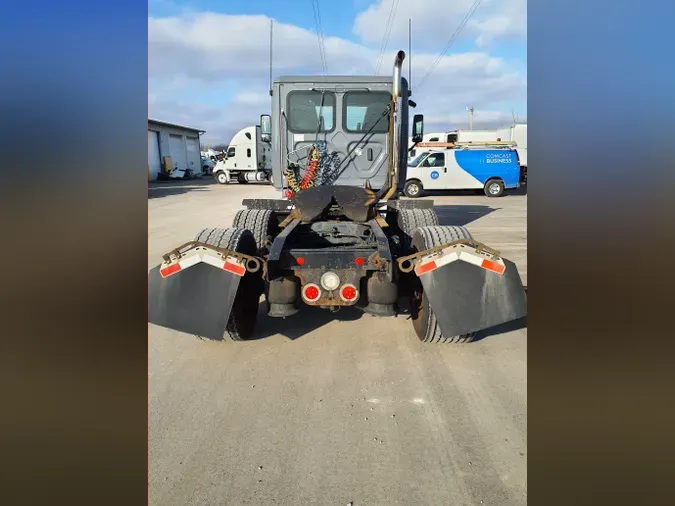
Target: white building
x=179 y=142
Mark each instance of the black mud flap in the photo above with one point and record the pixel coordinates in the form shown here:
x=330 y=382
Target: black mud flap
x=466 y=298
x=196 y=301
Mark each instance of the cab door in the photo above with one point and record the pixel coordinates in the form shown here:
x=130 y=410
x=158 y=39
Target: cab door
x=434 y=171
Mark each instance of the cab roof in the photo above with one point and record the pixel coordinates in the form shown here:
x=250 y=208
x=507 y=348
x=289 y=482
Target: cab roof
x=334 y=79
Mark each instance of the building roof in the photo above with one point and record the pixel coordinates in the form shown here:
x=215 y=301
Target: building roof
x=173 y=125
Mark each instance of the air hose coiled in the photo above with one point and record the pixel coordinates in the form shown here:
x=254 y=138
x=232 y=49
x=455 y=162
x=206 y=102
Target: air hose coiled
x=292 y=179
x=311 y=172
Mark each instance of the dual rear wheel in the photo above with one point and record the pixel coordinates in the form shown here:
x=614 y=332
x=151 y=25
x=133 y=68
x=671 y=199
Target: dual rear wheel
x=424 y=321
x=252 y=227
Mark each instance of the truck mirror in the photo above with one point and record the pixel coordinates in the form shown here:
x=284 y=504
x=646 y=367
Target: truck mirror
x=418 y=128
x=265 y=127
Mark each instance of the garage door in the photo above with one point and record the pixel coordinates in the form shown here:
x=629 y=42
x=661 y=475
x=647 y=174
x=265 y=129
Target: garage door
x=153 y=154
x=177 y=148
x=193 y=154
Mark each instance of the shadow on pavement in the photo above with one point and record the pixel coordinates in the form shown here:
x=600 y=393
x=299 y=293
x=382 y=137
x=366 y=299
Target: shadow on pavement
x=461 y=215
x=303 y=322
x=158 y=189
x=312 y=318
x=501 y=329
x=472 y=193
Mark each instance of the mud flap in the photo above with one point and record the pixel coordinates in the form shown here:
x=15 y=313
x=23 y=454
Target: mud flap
x=466 y=297
x=195 y=300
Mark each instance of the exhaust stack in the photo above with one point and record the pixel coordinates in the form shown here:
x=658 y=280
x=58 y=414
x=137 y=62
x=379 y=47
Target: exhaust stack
x=396 y=86
x=393 y=151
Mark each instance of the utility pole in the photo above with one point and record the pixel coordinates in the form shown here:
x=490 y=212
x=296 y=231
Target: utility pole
x=470 y=109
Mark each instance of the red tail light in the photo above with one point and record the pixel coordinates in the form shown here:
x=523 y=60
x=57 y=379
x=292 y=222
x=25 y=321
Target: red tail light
x=349 y=293
x=360 y=261
x=311 y=292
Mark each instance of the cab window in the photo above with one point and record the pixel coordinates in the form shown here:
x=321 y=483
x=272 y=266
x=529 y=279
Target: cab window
x=366 y=111
x=311 y=111
x=434 y=160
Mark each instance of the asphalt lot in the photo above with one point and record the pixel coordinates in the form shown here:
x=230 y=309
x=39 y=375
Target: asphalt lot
x=335 y=409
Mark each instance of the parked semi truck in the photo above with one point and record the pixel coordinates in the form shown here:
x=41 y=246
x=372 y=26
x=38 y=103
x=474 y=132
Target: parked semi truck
x=341 y=236
x=247 y=158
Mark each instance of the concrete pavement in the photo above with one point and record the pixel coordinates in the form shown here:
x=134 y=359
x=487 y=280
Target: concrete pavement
x=335 y=408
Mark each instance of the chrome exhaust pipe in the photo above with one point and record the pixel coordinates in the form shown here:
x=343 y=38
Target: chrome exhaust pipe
x=396 y=86
x=392 y=181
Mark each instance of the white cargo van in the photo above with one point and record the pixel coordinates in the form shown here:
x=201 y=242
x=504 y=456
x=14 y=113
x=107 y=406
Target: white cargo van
x=493 y=170
x=515 y=133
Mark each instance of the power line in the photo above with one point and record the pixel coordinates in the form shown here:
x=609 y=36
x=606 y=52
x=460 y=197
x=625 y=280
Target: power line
x=319 y=36
x=452 y=39
x=387 y=33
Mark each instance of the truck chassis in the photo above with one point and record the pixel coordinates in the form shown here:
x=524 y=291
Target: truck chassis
x=331 y=246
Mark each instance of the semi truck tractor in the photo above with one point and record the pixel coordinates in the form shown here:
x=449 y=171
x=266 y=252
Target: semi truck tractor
x=247 y=158
x=340 y=236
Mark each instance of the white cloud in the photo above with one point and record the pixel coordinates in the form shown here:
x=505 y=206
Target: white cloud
x=481 y=120
x=435 y=21
x=226 y=56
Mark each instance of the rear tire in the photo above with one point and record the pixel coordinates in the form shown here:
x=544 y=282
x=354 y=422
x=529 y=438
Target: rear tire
x=424 y=321
x=494 y=188
x=261 y=223
x=241 y=323
x=410 y=220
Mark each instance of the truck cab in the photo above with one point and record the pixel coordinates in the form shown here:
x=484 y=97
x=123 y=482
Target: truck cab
x=247 y=158
x=346 y=115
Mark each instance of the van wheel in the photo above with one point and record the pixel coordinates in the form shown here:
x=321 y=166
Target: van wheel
x=494 y=188
x=222 y=178
x=412 y=189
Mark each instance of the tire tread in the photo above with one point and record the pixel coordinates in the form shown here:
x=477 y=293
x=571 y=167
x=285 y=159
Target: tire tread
x=240 y=240
x=436 y=236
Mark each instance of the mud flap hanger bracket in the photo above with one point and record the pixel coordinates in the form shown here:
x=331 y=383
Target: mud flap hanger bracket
x=251 y=263
x=406 y=264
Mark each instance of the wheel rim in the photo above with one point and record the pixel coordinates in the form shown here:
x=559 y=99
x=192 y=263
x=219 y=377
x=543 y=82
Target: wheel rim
x=221 y=178
x=494 y=188
x=413 y=189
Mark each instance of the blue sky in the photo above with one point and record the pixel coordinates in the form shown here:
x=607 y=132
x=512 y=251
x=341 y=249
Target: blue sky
x=208 y=59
